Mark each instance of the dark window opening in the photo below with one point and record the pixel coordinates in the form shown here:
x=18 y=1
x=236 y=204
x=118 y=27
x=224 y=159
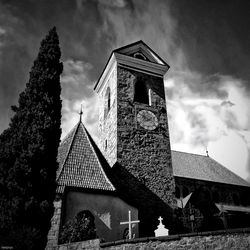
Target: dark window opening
x=141 y=92
x=106 y=145
x=139 y=56
x=107 y=102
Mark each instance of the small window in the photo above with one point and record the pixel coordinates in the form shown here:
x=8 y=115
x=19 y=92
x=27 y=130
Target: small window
x=139 y=56
x=106 y=145
x=107 y=102
x=141 y=92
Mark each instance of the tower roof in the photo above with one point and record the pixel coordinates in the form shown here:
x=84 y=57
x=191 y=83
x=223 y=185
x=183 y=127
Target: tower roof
x=137 y=56
x=201 y=167
x=80 y=164
x=144 y=49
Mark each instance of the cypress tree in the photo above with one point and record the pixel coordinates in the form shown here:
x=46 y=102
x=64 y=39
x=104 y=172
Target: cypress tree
x=28 y=152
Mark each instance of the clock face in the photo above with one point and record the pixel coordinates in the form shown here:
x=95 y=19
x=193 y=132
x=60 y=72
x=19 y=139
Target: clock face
x=147 y=119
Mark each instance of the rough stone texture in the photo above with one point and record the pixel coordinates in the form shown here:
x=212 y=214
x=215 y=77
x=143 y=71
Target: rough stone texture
x=107 y=125
x=238 y=239
x=235 y=241
x=142 y=158
x=55 y=225
x=144 y=153
x=87 y=245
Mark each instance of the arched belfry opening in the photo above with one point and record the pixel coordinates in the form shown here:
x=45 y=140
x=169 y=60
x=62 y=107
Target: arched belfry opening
x=107 y=102
x=141 y=93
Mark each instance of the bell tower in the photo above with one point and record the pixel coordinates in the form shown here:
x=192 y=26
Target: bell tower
x=133 y=122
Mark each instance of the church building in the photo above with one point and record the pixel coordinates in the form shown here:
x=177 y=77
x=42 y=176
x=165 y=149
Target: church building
x=134 y=168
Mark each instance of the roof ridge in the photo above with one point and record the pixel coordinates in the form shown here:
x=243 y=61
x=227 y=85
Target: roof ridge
x=229 y=171
x=90 y=139
x=128 y=45
x=190 y=153
x=74 y=129
x=217 y=172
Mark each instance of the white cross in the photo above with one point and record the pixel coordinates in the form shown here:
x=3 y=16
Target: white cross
x=160 y=219
x=129 y=222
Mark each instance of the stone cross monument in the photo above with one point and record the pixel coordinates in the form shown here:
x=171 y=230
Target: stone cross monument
x=129 y=222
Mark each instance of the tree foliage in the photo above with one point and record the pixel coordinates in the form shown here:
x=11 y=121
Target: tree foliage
x=80 y=228
x=28 y=151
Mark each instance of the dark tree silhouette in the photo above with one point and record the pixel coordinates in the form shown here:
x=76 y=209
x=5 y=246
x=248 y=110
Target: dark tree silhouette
x=28 y=151
x=80 y=228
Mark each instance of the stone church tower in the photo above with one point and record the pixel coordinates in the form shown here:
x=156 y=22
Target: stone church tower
x=134 y=168
x=133 y=123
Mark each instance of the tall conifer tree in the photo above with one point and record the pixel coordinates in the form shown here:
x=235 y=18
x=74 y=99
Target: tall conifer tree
x=29 y=149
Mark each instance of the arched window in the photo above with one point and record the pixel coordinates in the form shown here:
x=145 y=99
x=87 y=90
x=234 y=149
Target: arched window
x=139 y=56
x=107 y=102
x=141 y=92
x=177 y=192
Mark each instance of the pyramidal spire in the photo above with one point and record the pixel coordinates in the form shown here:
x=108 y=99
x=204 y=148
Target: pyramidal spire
x=79 y=162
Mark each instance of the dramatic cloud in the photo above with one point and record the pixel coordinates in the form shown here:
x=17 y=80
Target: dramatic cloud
x=207 y=86
x=77 y=93
x=217 y=119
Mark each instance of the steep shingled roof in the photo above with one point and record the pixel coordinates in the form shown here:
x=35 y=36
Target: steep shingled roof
x=79 y=165
x=202 y=167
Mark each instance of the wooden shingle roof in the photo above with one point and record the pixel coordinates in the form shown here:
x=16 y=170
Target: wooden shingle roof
x=202 y=167
x=79 y=165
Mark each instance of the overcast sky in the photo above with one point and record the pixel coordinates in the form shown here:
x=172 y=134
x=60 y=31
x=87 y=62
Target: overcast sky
x=206 y=43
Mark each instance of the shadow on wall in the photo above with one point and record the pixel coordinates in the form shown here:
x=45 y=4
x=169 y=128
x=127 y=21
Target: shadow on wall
x=108 y=210
x=149 y=205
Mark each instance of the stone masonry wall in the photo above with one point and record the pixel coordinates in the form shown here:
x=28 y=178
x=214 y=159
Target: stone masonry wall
x=144 y=168
x=108 y=125
x=237 y=240
x=144 y=153
x=87 y=245
x=55 y=225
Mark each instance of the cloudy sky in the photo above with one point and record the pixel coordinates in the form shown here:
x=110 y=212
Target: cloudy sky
x=206 y=43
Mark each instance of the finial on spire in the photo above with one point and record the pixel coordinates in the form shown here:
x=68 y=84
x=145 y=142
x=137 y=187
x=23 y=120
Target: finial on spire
x=80 y=113
x=207 y=152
